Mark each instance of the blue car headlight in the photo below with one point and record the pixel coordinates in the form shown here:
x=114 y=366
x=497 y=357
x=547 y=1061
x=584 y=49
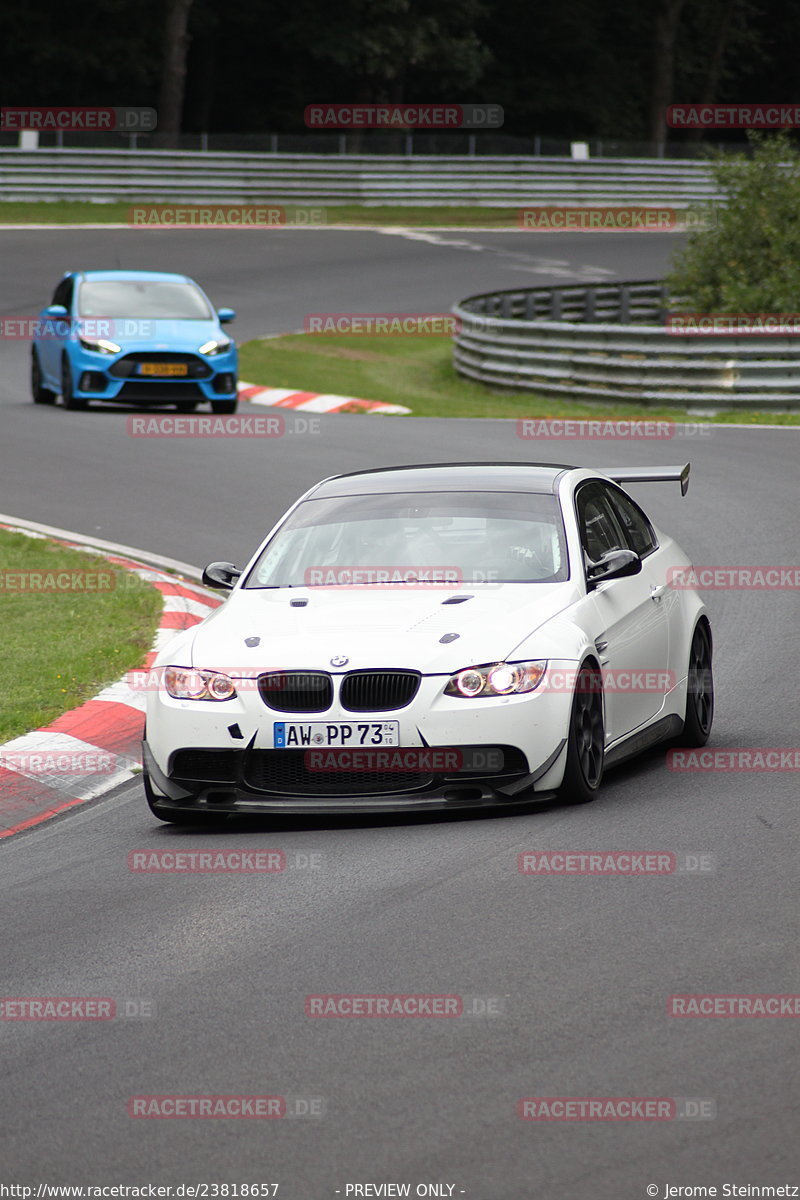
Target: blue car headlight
x=497 y=679
x=100 y=345
x=215 y=346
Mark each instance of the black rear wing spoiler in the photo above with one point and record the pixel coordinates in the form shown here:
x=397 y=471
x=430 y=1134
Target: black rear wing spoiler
x=650 y=475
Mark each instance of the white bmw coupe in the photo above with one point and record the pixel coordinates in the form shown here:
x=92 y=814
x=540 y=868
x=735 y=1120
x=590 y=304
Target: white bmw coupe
x=434 y=637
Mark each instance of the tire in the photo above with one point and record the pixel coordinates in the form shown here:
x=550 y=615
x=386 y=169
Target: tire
x=185 y=406
x=585 y=741
x=40 y=394
x=173 y=817
x=71 y=401
x=699 y=690
x=220 y=407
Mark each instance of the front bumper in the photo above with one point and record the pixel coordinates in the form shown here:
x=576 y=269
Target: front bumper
x=112 y=378
x=228 y=747
x=264 y=781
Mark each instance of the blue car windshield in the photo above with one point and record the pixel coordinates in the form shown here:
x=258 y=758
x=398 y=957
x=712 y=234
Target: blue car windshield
x=142 y=298
x=466 y=538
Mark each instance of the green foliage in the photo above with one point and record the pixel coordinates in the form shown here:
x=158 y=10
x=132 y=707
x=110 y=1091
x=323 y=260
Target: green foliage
x=748 y=259
x=62 y=647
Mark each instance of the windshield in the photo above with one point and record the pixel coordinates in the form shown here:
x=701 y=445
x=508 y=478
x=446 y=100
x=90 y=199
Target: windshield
x=402 y=538
x=142 y=298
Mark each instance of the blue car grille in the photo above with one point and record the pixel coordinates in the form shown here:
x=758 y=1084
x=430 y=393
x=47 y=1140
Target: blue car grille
x=173 y=389
x=128 y=367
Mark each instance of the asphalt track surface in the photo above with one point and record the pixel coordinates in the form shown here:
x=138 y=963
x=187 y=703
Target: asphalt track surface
x=583 y=965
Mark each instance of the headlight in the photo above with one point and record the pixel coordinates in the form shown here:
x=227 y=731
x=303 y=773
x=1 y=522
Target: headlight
x=497 y=679
x=215 y=347
x=184 y=683
x=100 y=345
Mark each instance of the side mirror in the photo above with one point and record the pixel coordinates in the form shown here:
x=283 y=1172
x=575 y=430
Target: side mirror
x=226 y=315
x=56 y=312
x=221 y=575
x=616 y=564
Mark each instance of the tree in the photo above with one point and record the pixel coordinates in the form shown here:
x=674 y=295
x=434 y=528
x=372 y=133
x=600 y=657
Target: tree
x=667 y=19
x=173 y=71
x=748 y=259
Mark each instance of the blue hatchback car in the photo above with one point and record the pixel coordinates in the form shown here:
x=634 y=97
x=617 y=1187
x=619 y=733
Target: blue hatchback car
x=134 y=337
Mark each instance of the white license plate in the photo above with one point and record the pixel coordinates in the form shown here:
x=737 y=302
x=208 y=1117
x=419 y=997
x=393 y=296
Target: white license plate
x=290 y=735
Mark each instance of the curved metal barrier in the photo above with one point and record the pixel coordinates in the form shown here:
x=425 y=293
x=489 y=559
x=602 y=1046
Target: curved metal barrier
x=609 y=342
x=196 y=176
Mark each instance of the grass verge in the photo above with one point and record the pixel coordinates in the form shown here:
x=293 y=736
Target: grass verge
x=61 y=647
x=418 y=373
x=77 y=212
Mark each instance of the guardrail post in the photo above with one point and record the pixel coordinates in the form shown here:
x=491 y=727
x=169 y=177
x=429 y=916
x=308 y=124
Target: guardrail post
x=624 y=304
x=556 y=304
x=589 y=304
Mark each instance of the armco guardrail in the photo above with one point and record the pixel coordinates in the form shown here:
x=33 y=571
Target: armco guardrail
x=608 y=342
x=196 y=177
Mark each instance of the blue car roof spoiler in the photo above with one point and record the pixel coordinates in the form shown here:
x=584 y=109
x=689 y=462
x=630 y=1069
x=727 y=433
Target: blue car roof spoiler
x=650 y=475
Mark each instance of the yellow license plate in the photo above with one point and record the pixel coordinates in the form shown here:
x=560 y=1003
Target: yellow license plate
x=163 y=369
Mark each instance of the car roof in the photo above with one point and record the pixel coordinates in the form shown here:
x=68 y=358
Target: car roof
x=152 y=276
x=445 y=477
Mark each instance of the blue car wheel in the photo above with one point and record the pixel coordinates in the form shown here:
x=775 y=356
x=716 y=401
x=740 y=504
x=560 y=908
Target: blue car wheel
x=71 y=401
x=41 y=394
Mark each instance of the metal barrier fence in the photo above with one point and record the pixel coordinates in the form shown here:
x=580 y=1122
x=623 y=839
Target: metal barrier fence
x=608 y=342
x=372 y=142
x=195 y=177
